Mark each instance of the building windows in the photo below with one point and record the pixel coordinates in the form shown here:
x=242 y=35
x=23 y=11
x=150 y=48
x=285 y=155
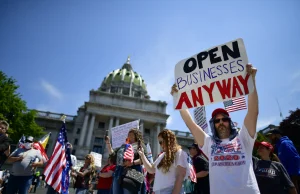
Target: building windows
x=147 y=131
x=125 y=91
x=98 y=141
x=76 y=142
x=101 y=125
x=98 y=149
x=78 y=131
x=113 y=90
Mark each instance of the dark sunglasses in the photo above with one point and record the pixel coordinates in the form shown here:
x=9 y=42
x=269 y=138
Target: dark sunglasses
x=223 y=119
x=27 y=141
x=87 y=158
x=160 y=142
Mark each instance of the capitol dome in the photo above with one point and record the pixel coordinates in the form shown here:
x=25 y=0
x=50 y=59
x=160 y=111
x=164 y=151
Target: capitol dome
x=126 y=82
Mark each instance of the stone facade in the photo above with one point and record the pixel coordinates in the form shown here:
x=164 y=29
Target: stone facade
x=106 y=109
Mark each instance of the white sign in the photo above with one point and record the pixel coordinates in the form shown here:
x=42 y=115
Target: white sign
x=98 y=159
x=120 y=133
x=79 y=164
x=200 y=118
x=213 y=75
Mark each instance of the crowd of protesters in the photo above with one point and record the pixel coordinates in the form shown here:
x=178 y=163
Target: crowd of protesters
x=220 y=163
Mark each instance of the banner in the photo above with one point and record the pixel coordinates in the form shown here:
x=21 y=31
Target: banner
x=98 y=159
x=213 y=75
x=200 y=118
x=120 y=133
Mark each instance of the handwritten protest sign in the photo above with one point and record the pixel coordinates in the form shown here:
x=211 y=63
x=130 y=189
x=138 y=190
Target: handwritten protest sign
x=213 y=75
x=200 y=118
x=120 y=133
x=98 y=159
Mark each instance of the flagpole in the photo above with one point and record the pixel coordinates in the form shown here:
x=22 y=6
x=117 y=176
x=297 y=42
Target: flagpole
x=279 y=108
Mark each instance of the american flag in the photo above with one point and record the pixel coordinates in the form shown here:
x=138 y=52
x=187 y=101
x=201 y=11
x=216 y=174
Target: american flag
x=235 y=104
x=192 y=172
x=21 y=142
x=128 y=154
x=57 y=169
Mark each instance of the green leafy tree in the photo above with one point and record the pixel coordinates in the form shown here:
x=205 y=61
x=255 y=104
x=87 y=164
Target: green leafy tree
x=290 y=126
x=14 y=110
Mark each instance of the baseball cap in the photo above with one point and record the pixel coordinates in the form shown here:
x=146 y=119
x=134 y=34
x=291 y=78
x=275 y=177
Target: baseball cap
x=29 y=138
x=265 y=144
x=275 y=131
x=219 y=111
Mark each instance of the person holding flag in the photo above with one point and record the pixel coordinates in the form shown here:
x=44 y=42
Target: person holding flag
x=24 y=160
x=57 y=169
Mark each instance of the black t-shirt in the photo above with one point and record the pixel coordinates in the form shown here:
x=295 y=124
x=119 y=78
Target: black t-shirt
x=271 y=176
x=202 y=185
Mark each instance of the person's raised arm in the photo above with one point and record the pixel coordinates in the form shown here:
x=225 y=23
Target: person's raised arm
x=149 y=167
x=252 y=114
x=196 y=130
x=108 y=145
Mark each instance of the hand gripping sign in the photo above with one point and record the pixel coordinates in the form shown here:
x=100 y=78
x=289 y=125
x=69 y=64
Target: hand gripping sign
x=213 y=75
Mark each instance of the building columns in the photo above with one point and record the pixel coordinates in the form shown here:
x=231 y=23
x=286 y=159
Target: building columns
x=117 y=121
x=111 y=120
x=142 y=127
x=90 y=132
x=83 y=131
x=157 y=146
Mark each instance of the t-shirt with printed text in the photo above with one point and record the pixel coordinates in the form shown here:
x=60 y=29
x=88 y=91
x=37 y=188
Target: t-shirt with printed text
x=230 y=164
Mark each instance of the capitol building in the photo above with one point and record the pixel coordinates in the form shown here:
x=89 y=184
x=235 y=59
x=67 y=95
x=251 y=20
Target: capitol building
x=121 y=98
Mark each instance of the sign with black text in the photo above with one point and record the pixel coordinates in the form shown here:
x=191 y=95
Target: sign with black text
x=213 y=75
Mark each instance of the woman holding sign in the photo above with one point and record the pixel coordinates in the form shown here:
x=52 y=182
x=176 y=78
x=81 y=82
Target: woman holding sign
x=135 y=139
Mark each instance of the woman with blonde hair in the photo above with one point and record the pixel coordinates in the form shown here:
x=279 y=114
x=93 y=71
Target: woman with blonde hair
x=170 y=167
x=85 y=176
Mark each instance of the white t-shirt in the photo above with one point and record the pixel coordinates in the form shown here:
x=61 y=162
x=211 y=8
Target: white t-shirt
x=165 y=180
x=230 y=164
x=73 y=160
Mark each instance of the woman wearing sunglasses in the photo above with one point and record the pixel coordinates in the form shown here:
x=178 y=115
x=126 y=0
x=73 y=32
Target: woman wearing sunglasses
x=170 y=167
x=85 y=175
x=271 y=176
x=134 y=137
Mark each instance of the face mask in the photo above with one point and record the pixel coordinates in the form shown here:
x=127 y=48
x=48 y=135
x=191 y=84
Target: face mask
x=27 y=145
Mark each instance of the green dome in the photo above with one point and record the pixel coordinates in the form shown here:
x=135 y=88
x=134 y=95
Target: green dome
x=125 y=81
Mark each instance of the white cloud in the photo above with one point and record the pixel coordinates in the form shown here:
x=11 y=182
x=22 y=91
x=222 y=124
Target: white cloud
x=265 y=122
x=169 y=121
x=51 y=90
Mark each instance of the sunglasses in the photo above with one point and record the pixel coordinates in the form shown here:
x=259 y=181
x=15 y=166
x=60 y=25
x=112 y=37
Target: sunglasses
x=87 y=158
x=223 y=119
x=3 y=128
x=160 y=142
x=27 y=141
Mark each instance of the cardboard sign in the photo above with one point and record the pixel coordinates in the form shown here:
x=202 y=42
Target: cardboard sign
x=98 y=159
x=200 y=118
x=120 y=133
x=213 y=75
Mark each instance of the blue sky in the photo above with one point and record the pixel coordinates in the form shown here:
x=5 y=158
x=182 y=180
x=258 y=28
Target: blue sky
x=59 y=50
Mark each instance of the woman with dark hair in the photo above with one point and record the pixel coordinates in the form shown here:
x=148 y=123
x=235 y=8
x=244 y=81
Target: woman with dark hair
x=134 y=139
x=170 y=167
x=105 y=177
x=200 y=163
x=271 y=176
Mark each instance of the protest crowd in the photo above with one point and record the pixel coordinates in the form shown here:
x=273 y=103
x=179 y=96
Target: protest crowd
x=222 y=162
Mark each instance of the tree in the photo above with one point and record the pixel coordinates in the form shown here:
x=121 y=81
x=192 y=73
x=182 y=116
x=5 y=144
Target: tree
x=14 y=110
x=290 y=126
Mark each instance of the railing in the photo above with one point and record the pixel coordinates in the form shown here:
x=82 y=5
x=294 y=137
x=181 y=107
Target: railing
x=182 y=133
x=51 y=115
